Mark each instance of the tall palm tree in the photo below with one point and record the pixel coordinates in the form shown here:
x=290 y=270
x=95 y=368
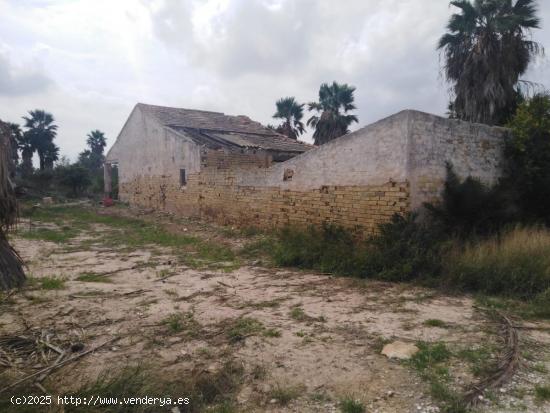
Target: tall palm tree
x=15 y=137
x=334 y=102
x=51 y=154
x=27 y=151
x=41 y=131
x=486 y=50
x=96 y=141
x=292 y=113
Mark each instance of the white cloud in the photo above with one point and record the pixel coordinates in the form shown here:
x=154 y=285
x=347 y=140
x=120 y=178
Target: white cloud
x=89 y=61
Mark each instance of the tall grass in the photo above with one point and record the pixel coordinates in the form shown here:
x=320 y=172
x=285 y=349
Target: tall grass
x=516 y=263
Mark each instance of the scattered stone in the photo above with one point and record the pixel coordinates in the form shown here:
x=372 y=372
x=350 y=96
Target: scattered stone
x=47 y=200
x=399 y=350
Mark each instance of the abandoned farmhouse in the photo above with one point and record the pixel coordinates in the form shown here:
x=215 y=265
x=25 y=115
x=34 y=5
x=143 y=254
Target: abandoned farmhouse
x=236 y=171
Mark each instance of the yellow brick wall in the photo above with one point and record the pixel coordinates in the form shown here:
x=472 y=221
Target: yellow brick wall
x=213 y=194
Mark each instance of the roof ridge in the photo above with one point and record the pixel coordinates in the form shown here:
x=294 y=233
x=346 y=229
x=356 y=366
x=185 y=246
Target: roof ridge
x=172 y=107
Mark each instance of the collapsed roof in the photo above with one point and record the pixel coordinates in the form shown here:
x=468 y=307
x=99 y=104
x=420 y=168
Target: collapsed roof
x=216 y=129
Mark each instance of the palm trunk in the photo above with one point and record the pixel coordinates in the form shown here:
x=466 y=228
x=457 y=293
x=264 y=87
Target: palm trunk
x=11 y=267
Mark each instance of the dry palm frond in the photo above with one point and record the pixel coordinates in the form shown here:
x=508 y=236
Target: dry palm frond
x=507 y=365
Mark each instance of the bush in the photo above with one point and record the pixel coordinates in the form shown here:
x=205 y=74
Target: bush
x=326 y=249
x=528 y=157
x=516 y=263
x=405 y=249
x=74 y=177
x=470 y=207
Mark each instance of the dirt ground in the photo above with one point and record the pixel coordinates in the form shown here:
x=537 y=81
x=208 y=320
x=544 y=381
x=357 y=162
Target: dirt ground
x=306 y=341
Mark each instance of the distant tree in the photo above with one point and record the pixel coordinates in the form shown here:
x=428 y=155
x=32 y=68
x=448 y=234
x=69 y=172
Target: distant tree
x=15 y=137
x=292 y=113
x=27 y=151
x=75 y=177
x=41 y=131
x=51 y=155
x=334 y=102
x=93 y=157
x=486 y=50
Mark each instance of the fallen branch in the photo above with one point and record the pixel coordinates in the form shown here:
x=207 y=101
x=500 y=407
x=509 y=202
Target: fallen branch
x=58 y=365
x=134 y=267
x=507 y=365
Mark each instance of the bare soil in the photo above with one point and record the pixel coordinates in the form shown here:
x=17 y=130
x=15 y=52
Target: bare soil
x=317 y=337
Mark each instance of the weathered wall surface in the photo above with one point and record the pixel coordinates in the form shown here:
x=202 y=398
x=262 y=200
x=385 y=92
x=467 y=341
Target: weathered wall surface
x=357 y=181
x=215 y=193
x=473 y=150
x=146 y=148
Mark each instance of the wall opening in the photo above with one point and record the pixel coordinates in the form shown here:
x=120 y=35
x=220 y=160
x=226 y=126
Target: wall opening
x=183 y=177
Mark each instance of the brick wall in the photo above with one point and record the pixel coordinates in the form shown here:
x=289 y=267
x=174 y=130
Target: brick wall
x=215 y=194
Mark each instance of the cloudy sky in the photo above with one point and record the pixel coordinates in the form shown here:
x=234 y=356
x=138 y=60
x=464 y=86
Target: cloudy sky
x=89 y=61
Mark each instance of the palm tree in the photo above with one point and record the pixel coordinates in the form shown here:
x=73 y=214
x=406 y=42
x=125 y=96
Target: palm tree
x=41 y=131
x=334 y=102
x=292 y=113
x=27 y=151
x=486 y=50
x=51 y=154
x=15 y=137
x=96 y=141
x=93 y=158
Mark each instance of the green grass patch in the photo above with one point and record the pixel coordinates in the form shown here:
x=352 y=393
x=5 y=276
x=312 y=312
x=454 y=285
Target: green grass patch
x=349 y=405
x=429 y=356
x=285 y=394
x=179 y=322
x=46 y=283
x=430 y=362
x=480 y=359
x=262 y=247
x=271 y=332
x=91 y=277
x=540 y=368
x=244 y=327
x=433 y=322
x=298 y=314
x=132 y=233
x=59 y=236
x=542 y=393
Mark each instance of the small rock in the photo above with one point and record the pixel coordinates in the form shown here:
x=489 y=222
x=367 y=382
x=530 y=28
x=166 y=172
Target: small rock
x=48 y=200
x=175 y=410
x=273 y=401
x=399 y=350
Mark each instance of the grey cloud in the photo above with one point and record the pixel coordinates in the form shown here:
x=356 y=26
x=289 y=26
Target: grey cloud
x=15 y=81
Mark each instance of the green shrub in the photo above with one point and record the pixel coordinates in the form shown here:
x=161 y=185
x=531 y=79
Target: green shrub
x=349 y=405
x=326 y=249
x=405 y=249
x=469 y=207
x=528 y=158
x=517 y=264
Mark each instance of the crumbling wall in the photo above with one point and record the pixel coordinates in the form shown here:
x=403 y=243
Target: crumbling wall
x=357 y=181
x=473 y=150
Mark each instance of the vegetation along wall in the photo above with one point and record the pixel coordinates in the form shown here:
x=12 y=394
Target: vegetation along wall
x=357 y=181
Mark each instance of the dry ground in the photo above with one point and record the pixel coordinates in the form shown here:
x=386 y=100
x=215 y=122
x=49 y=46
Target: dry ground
x=304 y=342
